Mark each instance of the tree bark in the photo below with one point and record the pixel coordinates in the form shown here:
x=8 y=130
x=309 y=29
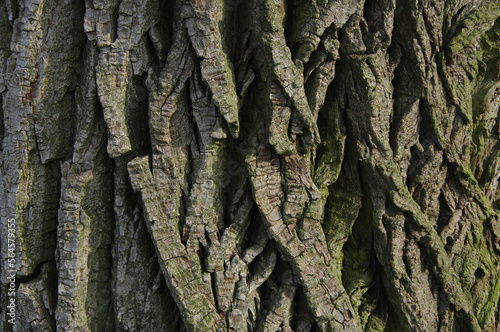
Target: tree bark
x=257 y=165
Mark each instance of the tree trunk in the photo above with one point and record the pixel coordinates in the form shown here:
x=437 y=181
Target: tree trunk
x=256 y=165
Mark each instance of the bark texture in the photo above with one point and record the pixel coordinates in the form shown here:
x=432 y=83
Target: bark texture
x=255 y=165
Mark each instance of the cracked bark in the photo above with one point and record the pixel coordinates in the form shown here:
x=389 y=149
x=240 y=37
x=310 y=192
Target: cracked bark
x=251 y=165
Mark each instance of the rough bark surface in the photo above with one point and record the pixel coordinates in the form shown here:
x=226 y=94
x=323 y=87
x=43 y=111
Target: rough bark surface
x=255 y=165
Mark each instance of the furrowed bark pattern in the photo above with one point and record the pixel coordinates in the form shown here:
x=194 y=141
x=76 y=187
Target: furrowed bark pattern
x=251 y=165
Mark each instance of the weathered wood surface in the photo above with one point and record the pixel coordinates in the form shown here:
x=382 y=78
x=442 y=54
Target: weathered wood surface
x=256 y=165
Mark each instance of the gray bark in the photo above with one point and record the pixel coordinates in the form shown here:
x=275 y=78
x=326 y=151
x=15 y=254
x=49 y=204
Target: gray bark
x=260 y=165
